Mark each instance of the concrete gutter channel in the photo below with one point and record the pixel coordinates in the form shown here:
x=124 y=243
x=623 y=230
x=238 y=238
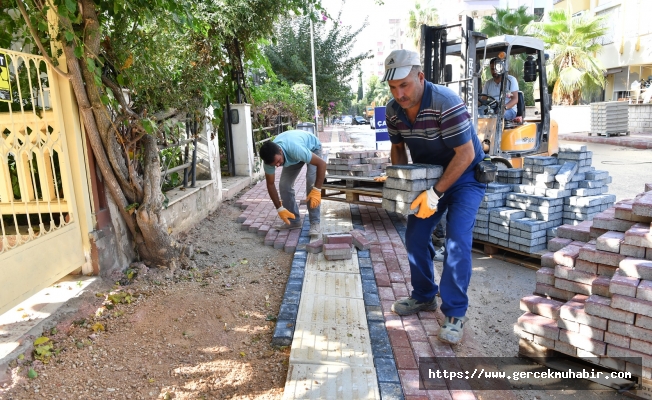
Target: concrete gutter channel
x=638 y=140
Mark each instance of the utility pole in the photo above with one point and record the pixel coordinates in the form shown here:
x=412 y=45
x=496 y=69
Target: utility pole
x=314 y=79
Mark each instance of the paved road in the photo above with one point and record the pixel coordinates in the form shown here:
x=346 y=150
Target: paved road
x=629 y=168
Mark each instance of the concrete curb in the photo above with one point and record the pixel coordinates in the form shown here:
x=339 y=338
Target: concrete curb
x=638 y=141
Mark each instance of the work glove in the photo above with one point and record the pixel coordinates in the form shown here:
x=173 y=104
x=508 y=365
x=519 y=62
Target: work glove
x=427 y=203
x=380 y=178
x=314 y=198
x=285 y=215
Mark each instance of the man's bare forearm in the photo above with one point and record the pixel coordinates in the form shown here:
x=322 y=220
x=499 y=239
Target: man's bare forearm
x=273 y=195
x=399 y=155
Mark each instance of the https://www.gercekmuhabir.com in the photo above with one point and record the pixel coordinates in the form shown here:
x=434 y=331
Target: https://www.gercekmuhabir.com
x=507 y=373
x=518 y=375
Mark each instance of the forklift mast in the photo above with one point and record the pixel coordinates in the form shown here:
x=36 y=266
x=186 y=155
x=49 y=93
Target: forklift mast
x=434 y=48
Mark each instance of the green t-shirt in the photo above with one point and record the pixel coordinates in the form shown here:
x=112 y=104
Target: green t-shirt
x=297 y=147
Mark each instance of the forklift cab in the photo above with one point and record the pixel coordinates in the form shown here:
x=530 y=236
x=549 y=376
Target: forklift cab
x=458 y=57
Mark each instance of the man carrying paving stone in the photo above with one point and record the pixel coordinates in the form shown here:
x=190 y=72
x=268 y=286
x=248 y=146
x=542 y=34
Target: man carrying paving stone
x=436 y=126
x=291 y=150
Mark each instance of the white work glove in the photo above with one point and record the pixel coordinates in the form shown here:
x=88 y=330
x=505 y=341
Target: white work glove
x=427 y=203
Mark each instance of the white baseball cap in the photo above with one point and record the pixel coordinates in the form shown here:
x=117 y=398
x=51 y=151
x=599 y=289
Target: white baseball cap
x=399 y=63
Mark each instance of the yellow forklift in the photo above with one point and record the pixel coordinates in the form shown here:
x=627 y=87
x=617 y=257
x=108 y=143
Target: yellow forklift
x=455 y=56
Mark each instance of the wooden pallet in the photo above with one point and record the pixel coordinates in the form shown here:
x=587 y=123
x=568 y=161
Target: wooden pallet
x=527 y=260
x=352 y=187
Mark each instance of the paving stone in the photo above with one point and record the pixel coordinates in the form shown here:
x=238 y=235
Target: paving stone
x=637 y=268
x=410 y=172
x=601 y=307
x=644 y=290
x=552 y=291
x=589 y=253
x=610 y=242
x=539 y=325
x=546 y=276
x=600 y=286
x=631 y=304
x=573 y=311
x=585 y=343
x=643 y=205
x=639 y=235
x=541 y=306
x=623 y=285
x=630 y=331
x=338 y=238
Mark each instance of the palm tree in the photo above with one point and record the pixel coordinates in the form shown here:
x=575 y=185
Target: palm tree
x=421 y=15
x=573 y=66
x=508 y=22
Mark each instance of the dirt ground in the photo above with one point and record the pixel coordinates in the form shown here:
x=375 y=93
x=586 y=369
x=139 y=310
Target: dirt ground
x=205 y=331
x=199 y=332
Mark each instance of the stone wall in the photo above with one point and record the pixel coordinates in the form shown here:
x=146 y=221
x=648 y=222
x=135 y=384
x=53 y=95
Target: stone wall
x=640 y=117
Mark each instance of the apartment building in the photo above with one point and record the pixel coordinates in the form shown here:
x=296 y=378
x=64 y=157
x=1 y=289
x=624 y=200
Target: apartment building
x=626 y=52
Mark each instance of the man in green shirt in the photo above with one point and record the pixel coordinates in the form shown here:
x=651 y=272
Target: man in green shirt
x=291 y=150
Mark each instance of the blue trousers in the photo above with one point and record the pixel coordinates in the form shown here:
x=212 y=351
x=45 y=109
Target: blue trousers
x=462 y=202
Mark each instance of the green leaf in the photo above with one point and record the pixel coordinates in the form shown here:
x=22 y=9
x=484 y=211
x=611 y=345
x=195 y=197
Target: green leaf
x=79 y=51
x=90 y=63
x=105 y=99
x=41 y=340
x=121 y=80
x=69 y=36
x=31 y=374
x=71 y=5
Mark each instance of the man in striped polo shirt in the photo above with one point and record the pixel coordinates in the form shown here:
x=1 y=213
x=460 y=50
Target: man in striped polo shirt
x=433 y=122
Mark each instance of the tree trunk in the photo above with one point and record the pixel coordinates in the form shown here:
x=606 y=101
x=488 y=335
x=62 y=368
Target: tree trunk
x=147 y=227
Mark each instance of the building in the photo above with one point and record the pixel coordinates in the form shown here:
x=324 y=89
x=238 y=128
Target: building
x=626 y=52
x=455 y=11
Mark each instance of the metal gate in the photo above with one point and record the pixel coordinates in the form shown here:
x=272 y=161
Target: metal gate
x=41 y=236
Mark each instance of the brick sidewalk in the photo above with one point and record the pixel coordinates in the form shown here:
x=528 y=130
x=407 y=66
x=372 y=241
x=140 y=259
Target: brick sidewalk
x=408 y=337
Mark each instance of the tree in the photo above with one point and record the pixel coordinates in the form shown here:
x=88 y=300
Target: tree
x=360 y=89
x=173 y=57
x=377 y=92
x=508 y=22
x=573 y=70
x=290 y=57
x=420 y=15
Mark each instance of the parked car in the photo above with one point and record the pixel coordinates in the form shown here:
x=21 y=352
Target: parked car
x=372 y=122
x=347 y=119
x=360 y=121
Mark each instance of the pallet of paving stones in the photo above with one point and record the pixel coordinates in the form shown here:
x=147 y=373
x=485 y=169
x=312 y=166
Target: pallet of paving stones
x=593 y=294
x=609 y=118
x=523 y=208
x=358 y=163
x=558 y=361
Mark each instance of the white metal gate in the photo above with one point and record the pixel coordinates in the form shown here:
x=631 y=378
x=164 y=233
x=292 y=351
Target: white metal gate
x=41 y=236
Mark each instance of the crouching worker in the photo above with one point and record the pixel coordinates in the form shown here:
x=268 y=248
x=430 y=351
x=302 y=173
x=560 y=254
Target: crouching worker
x=291 y=150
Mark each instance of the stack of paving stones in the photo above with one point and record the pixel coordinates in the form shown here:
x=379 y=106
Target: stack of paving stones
x=512 y=176
x=593 y=296
x=405 y=182
x=338 y=246
x=368 y=163
x=609 y=118
x=546 y=193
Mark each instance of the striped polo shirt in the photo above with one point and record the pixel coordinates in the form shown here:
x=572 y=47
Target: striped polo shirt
x=442 y=124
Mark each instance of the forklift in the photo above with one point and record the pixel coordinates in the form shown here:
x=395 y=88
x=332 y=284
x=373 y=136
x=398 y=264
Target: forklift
x=455 y=56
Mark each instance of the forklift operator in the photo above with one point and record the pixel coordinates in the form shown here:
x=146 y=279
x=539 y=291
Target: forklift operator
x=434 y=123
x=492 y=88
